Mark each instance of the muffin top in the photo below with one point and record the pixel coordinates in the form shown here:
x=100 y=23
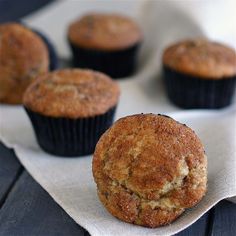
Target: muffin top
x=149 y=168
x=104 y=32
x=201 y=58
x=23 y=54
x=72 y=93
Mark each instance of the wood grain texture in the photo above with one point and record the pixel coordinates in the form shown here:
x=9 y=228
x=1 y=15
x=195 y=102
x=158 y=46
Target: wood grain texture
x=10 y=169
x=224 y=221
x=29 y=210
x=199 y=228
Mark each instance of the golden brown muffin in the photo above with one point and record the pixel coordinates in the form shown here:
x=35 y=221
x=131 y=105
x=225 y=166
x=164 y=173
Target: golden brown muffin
x=106 y=32
x=23 y=55
x=149 y=169
x=201 y=58
x=72 y=93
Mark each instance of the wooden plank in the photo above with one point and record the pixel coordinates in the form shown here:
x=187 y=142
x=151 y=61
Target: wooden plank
x=224 y=222
x=11 y=10
x=29 y=210
x=199 y=228
x=10 y=169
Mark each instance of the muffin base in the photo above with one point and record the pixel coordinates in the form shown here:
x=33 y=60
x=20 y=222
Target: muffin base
x=117 y=64
x=188 y=91
x=70 y=137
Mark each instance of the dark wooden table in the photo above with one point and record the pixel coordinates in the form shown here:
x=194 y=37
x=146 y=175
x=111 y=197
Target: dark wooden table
x=27 y=209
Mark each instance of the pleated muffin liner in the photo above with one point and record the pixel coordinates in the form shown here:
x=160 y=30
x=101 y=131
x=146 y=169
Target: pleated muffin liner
x=192 y=92
x=117 y=64
x=70 y=137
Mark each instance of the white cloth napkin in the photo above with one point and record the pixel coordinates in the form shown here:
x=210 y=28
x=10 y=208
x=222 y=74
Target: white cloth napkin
x=69 y=180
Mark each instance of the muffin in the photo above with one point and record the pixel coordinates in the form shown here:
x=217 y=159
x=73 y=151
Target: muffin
x=70 y=109
x=105 y=42
x=53 y=57
x=23 y=56
x=148 y=169
x=200 y=74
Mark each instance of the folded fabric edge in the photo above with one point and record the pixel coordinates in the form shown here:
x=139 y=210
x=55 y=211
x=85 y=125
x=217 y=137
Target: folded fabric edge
x=94 y=231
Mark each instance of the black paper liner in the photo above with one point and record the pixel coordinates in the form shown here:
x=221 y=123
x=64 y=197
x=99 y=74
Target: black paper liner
x=192 y=92
x=117 y=64
x=70 y=137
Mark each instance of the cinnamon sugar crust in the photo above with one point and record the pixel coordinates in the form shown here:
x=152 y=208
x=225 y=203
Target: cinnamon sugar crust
x=107 y=32
x=148 y=169
x=23 y=56
x=72 y=93
x=201 y=58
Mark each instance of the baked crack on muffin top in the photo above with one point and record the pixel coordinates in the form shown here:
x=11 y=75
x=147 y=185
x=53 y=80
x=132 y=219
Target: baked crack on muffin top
x=72 y=93
x=149 y=169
